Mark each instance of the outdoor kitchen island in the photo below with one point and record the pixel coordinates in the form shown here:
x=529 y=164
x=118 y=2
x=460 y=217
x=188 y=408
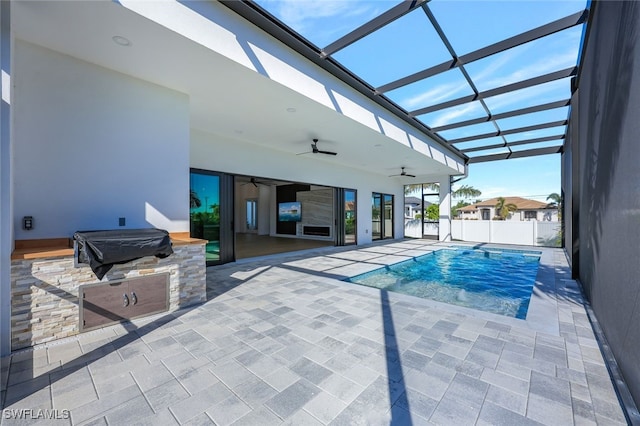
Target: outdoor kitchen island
x=51 y=291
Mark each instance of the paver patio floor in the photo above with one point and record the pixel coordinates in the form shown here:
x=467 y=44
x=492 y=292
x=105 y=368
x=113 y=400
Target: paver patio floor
x=284 y=340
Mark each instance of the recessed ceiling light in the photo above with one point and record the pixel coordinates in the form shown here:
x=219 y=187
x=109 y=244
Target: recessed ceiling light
x=291 y=110
x=121 y=41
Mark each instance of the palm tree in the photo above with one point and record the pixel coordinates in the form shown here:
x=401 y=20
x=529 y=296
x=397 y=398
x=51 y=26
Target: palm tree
x=503 y=208
x=556 y=201
x=195 y=200
x=418 y=187
x=466 y=191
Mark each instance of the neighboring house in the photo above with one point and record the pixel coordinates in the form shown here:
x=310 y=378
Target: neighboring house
x=412 y=206
x=527 y=210
x=350 y=209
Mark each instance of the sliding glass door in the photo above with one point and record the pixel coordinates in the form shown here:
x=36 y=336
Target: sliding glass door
x=381 y=216
x=211 y=213
x=350 y=224
x=346 y=214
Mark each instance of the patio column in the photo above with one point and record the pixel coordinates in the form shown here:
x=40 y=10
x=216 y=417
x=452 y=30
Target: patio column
x=6 y=234
x=445 y=209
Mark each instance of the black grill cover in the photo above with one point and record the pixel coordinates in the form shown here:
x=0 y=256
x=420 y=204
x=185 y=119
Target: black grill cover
x=103 y=249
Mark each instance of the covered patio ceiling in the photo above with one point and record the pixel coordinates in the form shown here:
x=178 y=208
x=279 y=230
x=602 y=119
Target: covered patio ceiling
x=489 y=88
x=222 y=92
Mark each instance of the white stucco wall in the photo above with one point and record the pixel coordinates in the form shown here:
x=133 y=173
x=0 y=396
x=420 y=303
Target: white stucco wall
x=92 y=145
x=213 y=152
x=6 y=192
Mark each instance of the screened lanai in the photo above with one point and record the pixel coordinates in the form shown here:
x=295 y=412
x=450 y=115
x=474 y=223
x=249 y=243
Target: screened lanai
x=500 y=80
x=467 y=73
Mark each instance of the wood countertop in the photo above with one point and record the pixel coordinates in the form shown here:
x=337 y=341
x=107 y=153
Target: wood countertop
x=62 y=247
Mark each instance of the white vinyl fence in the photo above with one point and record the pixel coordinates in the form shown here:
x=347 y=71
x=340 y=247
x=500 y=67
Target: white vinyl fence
x=413 y=229
x=532 y=233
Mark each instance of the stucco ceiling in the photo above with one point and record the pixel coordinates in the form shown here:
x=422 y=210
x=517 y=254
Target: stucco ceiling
x=226 y=98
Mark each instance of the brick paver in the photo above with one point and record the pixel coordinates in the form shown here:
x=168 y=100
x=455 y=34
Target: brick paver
x=284 y=340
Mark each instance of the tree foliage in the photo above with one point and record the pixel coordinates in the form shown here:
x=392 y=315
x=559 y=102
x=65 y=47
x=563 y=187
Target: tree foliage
x=195 y=200
x=556 y=202
x=433 y=212
x=503 y=208
x=418 y=187
x=466 y=191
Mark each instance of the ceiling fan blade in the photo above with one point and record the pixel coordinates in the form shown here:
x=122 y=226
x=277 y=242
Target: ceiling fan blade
x=326 y=152
x=403 y=173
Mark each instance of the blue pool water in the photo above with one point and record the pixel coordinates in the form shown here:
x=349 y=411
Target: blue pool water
x=491 y=280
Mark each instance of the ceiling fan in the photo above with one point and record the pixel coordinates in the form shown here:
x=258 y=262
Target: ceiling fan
x=315 y=150
x=254 y=182
x=403 y=173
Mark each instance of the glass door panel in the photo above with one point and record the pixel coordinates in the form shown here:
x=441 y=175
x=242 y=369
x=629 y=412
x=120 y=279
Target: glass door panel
x=387 y=227
x=252 y=215
x=205 y=212
x=349 y=216
x=376 y=216
x=431 y=216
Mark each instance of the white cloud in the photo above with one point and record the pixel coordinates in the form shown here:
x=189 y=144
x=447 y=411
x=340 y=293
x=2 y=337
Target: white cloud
x=297 y=11
x=490 y=77
x=551 y=90
x=434 y=95
x=305 y=14
x=543 y=66
x=454 y=115
x=499 y=61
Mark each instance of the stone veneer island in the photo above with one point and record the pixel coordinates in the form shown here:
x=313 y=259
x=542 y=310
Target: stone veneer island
x=45 y=282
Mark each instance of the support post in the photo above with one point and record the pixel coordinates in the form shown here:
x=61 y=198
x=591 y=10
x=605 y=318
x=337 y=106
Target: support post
x=444 y=232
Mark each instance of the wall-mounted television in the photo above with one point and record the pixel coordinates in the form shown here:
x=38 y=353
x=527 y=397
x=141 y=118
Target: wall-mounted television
x=289 y=212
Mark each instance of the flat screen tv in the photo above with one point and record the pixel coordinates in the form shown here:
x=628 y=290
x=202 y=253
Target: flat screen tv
x=289 y=212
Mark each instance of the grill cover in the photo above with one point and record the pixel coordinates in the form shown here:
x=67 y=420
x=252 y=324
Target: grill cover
x=103 y=249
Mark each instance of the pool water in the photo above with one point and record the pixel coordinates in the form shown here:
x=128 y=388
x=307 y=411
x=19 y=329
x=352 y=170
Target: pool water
x=212 y=250
x=491 y=280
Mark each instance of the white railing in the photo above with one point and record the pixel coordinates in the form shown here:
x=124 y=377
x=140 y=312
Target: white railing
x=532 y=233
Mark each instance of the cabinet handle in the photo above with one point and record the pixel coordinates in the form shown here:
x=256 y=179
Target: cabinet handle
x=134 y=298
x=125 y=302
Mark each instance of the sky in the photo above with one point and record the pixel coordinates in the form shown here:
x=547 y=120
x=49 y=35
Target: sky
x=411 y=44
x=207 y=188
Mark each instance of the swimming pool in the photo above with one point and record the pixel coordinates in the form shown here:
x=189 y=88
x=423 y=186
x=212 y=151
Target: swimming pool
x=492 y=280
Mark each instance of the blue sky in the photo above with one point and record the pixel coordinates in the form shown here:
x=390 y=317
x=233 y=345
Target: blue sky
x=411 y=44
x=207 y=188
